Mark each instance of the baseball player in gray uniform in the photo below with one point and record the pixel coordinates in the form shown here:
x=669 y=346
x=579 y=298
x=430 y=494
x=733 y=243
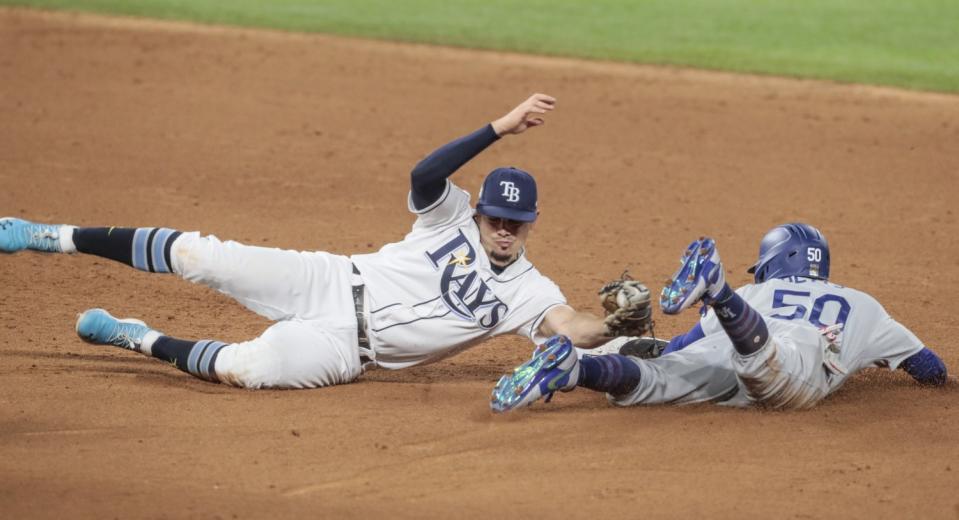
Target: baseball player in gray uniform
x=459 y=277
x=786 y=342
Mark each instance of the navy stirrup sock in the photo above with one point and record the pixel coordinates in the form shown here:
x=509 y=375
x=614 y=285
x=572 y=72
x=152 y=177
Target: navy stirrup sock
x=195 y=357
x=612 y=373
x=146 y=249
x=744 y=326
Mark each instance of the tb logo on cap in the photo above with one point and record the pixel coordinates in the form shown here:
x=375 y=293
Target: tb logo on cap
x=510 y=191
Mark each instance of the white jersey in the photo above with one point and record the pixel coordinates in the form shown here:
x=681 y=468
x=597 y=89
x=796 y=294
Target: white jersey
x=869 y=336
x=434 y=294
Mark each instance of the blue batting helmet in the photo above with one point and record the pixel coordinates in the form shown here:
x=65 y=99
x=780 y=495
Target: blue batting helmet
x=793 y=249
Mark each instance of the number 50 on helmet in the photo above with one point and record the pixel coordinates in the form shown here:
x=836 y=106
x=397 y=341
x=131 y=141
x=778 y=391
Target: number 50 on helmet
x=793 y=249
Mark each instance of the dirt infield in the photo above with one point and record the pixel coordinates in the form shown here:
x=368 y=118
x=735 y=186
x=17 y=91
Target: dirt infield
x=306 y=142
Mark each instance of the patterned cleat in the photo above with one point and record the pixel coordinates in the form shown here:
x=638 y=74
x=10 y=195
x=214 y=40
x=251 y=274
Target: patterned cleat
x=554 y=367
x=700 y=277
x=17 y=235
x=98 y=326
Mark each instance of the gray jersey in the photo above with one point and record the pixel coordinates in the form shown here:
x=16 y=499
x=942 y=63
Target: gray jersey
x=869 y=336
x=795 y=310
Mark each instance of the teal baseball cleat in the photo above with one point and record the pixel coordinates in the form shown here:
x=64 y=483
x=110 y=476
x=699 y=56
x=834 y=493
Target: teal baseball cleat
x=99 y=327
x=17 y=235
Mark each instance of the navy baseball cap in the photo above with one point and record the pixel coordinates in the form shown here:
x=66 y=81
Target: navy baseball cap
x=508 y=193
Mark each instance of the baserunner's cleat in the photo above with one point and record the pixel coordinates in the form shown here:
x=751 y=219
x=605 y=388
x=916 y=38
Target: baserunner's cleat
x=18 y=234
x=554 y=366
x=98 y=326
x=700 y=276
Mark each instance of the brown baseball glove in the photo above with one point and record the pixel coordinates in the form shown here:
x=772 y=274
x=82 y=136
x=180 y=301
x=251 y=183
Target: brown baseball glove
x=628 y=305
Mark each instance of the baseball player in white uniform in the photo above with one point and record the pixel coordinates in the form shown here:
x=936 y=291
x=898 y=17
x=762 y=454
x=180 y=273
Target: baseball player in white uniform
x=785 y=342
x=459 y=277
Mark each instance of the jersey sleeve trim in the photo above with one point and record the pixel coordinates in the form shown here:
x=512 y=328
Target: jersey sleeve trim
x=434 y=205
x=534 y=327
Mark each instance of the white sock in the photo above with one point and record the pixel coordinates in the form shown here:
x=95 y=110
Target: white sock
x=65 y=234
x=717 y=287
x=146 y=346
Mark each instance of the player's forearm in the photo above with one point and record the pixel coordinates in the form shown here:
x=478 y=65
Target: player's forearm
x=428 y=178
x=585 y=330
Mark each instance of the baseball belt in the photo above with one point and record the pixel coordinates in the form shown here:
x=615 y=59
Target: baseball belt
x=361 y=337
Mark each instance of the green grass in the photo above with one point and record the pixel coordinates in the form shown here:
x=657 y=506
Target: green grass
x=905 y=43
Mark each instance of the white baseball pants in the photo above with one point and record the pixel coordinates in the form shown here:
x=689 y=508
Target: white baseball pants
x=309 y=294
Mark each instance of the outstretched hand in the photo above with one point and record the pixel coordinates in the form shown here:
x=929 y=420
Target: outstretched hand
x=524 y=116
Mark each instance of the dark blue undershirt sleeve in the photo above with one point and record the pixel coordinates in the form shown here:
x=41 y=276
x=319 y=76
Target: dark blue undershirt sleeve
x=925 y=367
x=428 y=178
x=684 y=340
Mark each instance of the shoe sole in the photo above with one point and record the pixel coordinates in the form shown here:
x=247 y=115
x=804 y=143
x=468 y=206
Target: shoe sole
x=509 y=394
x=687 y=285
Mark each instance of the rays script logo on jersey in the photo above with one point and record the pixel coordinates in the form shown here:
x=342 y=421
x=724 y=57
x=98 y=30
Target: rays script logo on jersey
x=461 y=288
